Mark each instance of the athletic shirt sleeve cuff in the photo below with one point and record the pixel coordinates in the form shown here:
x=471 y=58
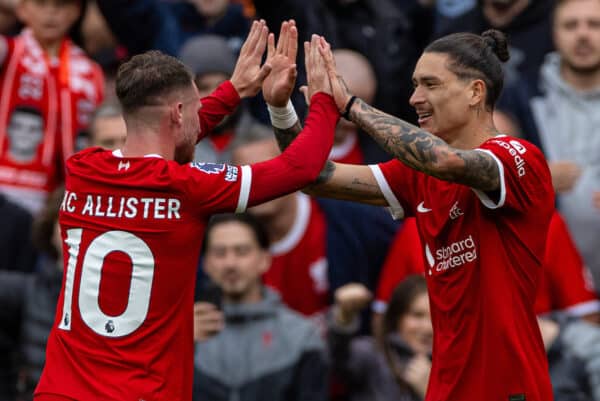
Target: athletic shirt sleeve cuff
x=394 y=206
x=244 y=189
x=483 y=197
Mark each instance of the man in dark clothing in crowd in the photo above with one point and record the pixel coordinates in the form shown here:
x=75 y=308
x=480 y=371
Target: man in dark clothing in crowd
x=263 y=350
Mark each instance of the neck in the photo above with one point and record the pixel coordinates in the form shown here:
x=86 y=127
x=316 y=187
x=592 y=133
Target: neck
x=143 y=139
x=582 y=81
x=51 y=47
x=474 y=133
x=280 y=224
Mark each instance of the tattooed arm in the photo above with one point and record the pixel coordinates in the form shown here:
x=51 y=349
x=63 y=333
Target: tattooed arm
x=339 y=181
x=426 y=152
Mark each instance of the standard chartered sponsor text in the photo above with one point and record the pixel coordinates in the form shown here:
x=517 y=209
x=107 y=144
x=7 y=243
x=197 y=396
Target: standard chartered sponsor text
x=456 y=254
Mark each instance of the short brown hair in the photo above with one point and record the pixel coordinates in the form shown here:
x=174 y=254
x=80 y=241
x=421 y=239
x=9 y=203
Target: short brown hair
x=148 y=76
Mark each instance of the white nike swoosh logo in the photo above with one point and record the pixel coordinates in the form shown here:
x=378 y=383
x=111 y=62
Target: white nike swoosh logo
x=422 y=209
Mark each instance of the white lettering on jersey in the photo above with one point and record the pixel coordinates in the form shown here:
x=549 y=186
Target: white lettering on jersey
x=515 y=149
x=454 y=255
x=123 y=207
x=455 y=212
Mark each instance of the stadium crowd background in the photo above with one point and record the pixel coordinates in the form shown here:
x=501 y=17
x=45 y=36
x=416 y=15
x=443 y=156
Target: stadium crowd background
x=329 y=260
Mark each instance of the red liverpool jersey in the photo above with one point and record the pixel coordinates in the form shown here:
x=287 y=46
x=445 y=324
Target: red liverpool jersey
x=484 y=257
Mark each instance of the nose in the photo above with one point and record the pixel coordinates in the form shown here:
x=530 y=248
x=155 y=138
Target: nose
x=416 y=97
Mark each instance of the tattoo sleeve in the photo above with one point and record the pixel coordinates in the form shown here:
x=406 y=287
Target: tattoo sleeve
x=286 y=136
x=425 y=152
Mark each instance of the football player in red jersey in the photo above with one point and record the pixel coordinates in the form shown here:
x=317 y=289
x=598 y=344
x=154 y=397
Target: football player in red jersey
x=483 y=203
x=132 y=222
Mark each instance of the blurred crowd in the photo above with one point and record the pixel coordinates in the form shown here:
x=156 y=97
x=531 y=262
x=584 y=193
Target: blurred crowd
x=300 y=298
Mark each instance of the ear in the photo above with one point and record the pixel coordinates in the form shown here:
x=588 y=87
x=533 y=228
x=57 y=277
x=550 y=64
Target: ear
x=265 y=261
x=176 y=113
x=477 y=92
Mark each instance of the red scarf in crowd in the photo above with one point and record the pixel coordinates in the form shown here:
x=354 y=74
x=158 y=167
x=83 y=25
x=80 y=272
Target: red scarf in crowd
x=63 y=91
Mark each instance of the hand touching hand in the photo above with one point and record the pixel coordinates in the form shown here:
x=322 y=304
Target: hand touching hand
x=350 y=299
x=248 y=75
x=279 y=84
x=208 y=321
x=316 y=73
x=340 y=91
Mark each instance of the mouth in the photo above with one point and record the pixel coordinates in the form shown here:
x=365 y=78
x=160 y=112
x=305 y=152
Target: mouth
x=424 y=117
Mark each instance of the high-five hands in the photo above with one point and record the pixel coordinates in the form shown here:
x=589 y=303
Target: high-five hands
x=279 y=84
x=340 y=91
x=248 y=75
x=316 y=72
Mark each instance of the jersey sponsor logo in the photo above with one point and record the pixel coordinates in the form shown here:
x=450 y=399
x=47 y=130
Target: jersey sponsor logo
x=209 y=168
x=515 y=149
x=451 y=256
x=232 y=174
x=455 y=212
x=124 y=165
x=422 y=209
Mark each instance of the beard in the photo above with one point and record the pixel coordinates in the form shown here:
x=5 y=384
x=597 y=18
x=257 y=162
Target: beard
x=582 y=69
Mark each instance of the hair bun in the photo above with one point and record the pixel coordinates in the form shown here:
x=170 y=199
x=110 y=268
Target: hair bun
x=497 y=41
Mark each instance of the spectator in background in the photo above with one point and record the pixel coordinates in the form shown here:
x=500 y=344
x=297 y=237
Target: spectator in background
x=212 y=60
x=28 y=305
x=49 y=88
x=107 y=128
x=562 y=115
x=317 y=245
x=394 y=365
x=173 y=22
x=526 y=22
x=389 y=36
x=360 y=78
x=264 y=351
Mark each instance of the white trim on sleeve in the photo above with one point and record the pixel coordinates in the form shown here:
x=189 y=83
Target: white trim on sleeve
x=395 y=207
x=244 y=189
x=584 y=308
x=483 y=197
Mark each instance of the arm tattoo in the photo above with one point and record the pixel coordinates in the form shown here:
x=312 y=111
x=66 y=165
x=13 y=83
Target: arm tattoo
x=286 y=136
x=425 y=152
x=327 y=172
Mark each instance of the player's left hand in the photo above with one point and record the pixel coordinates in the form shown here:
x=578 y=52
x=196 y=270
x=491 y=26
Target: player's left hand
x=341 y=94
x=248 y=75
x=279 y=84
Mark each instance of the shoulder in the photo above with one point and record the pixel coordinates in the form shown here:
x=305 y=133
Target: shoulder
x=520 y=150
x=300 y=329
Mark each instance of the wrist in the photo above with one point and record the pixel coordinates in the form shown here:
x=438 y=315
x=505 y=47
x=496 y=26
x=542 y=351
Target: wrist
x=283 y=117
x=346 y=112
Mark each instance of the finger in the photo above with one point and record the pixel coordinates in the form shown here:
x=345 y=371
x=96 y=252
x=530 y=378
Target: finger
x=259 y=48
x=292 y=49
x=265 y=70
x=307 y=64
x=292 y=73
x=304 y=90
x=282 y=37
x=250 y=40
x=270 y=46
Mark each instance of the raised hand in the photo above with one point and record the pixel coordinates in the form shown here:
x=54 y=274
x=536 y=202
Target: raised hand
x=279 y=84
x=316 y=71
x=350 y=299
x=248 y=75
x=340 y=91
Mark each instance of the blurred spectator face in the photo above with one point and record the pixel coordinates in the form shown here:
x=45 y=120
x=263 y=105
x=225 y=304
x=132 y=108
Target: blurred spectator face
x=360 y=79
x=210 y=8
x=50 y=20
x=208 y=82
x=253 y=153
x=234 y=259
x=415 y=325
x=577 y=34
x=109 y=132
x=500 y=13
x=25 y=132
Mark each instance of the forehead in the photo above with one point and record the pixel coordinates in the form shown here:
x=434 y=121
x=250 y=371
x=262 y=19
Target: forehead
x=432 y=65
x=231 y=233
x=578 y=9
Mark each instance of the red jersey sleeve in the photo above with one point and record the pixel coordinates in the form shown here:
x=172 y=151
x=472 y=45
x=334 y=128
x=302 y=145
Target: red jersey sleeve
x=404 y=258
x=524 y=174
x=398 y=183
x=568 y=281
x=217 y=105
